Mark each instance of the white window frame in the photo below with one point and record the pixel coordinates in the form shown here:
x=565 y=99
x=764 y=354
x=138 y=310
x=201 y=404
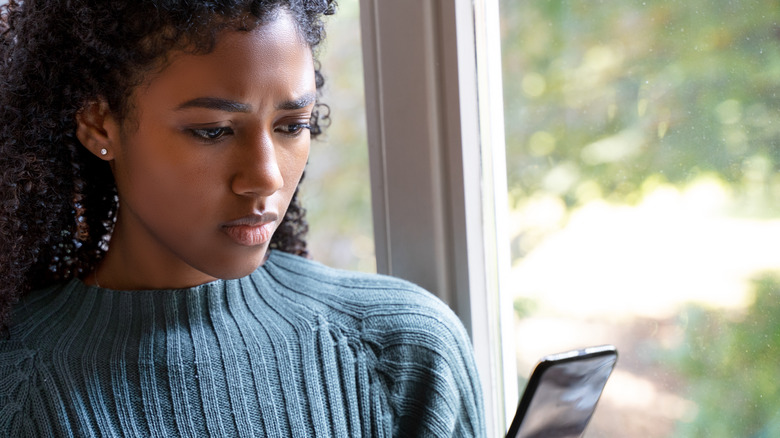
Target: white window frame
x=436 y=151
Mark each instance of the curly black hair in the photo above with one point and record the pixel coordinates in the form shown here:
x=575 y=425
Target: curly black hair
x=58 y=202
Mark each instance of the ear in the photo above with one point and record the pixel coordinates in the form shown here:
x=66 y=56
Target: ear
x=98 y=129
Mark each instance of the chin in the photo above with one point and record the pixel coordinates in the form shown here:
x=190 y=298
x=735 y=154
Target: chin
x=237 y=267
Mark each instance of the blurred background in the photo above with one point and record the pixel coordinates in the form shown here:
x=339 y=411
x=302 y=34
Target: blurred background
x=643 y=143
x=336 y=191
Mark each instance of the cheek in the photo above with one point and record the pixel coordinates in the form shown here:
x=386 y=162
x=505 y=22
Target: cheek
x=294 y=166
x=158 y=180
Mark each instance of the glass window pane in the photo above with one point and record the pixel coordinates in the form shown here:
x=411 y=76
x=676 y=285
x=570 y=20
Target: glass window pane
x=643 y=147
x=336 y=191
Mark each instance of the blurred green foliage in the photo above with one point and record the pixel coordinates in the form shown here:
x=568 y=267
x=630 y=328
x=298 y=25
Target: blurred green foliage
x=606 y=99
x=729 y=363
x=602 y=95
x=524 y=306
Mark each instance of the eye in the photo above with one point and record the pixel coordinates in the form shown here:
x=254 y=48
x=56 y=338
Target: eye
x=211 y=134
x=293 y=129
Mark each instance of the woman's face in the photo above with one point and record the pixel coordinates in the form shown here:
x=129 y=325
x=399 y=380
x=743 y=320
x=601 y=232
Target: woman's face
x=209 y=158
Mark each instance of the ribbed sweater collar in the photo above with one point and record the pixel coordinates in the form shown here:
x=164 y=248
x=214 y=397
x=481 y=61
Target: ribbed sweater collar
x=73 y=305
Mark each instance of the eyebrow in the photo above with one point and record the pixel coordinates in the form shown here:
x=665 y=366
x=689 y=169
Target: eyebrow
x=301 y=102
x=216 y=103
x=231 y=106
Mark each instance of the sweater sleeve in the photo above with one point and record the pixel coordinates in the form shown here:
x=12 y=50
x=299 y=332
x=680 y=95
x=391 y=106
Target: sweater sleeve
x=428 y=362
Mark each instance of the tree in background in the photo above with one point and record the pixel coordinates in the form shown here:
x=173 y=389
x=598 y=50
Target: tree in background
x=602 y=96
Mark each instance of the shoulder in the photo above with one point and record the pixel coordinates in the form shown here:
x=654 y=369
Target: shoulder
x=40 y=308
x=381 y=301
x=423 y=352
x=409 y=324
x=313 y=272
x=18 y=378
x=23 y=371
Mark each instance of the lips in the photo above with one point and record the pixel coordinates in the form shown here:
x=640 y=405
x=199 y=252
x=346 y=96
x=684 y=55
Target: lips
x=252 y=230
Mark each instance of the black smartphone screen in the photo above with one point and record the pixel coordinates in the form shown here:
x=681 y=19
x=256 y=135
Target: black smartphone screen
x=561 y=395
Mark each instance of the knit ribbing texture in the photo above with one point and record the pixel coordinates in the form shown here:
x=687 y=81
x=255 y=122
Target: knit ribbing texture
x=294 y=350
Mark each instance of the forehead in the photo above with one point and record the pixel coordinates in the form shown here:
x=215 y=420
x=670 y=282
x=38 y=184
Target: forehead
x=269 y=59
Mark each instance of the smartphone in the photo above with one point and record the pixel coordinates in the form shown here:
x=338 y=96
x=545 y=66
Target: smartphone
x=561 y=395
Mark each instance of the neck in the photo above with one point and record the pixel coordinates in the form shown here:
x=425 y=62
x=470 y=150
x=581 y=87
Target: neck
x=129 y=265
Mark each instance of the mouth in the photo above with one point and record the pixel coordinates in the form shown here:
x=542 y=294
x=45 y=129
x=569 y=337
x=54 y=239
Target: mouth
x=252 y=230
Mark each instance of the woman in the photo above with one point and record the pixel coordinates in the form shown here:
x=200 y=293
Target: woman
x=151 y=239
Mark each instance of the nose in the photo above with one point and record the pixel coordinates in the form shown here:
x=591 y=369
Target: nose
x=257 y=168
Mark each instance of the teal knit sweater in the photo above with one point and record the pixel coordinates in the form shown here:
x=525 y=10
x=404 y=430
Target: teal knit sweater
x=295 y=349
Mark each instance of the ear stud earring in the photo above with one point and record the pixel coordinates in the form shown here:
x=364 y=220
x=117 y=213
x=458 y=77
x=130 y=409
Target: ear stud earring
x=104 y=151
